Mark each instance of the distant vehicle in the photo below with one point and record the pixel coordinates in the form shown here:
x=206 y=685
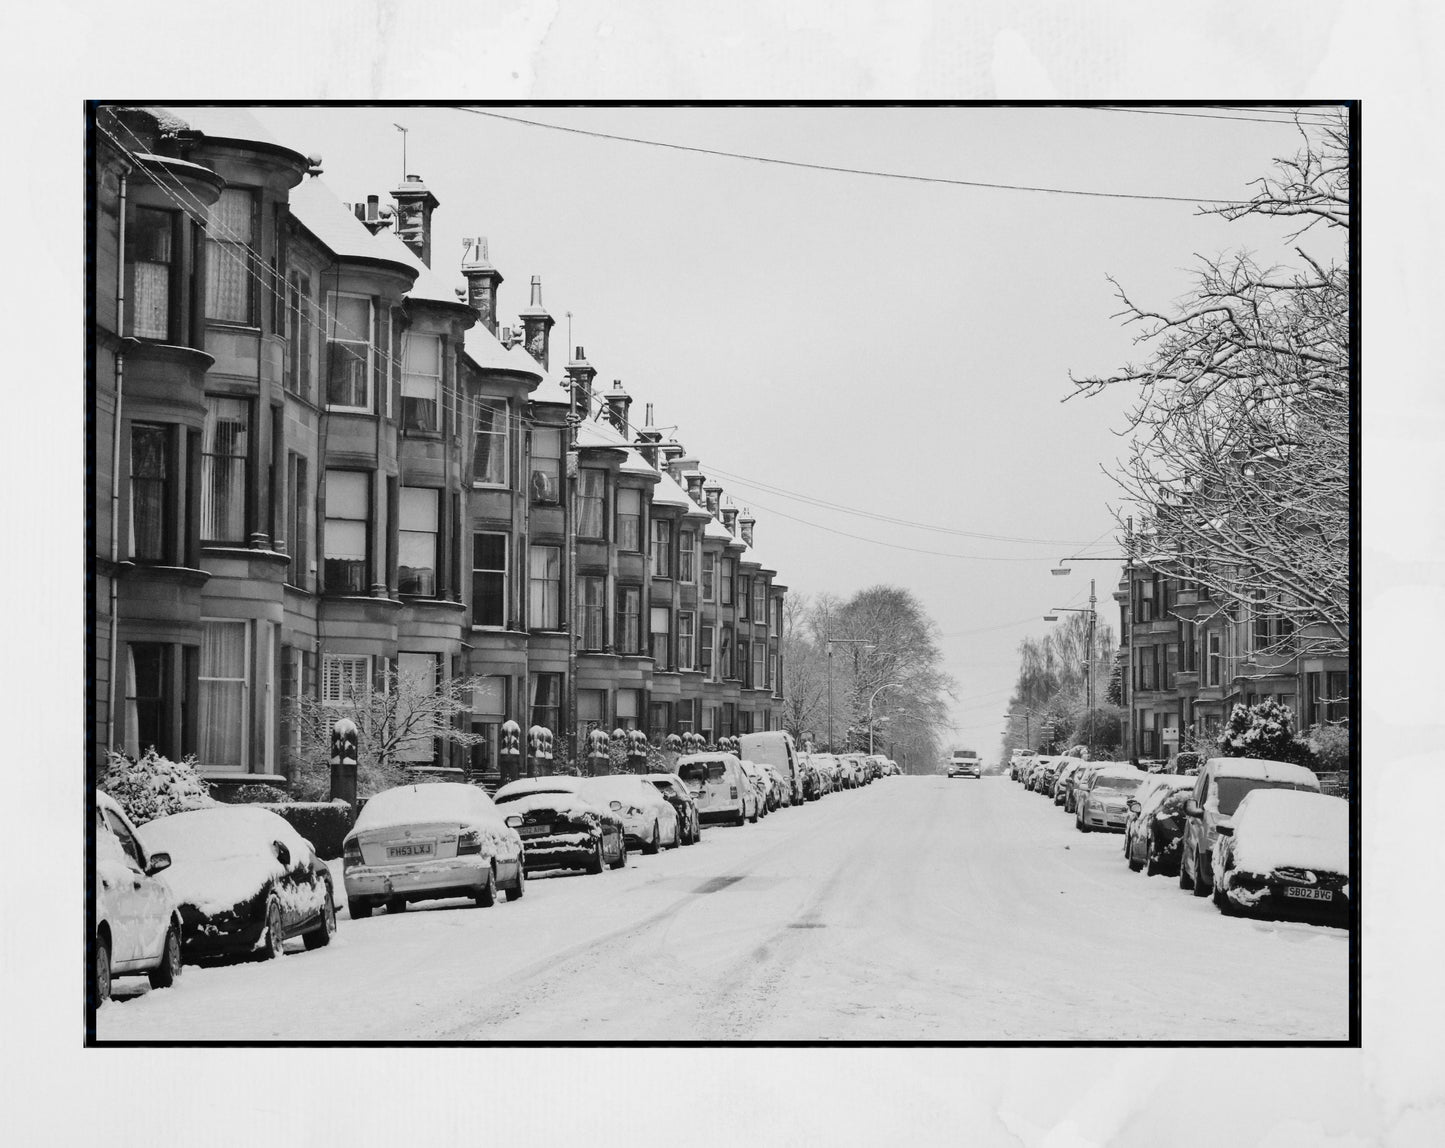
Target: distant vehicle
x=675 y=790
x=1286 y=853
x=1104 y=805
x=1218 y=790
x=776 y=748
x=429 y=841
x=561 y=829
x=964 y=763
x=648 y=819
x=245 y=880
x=137 y=922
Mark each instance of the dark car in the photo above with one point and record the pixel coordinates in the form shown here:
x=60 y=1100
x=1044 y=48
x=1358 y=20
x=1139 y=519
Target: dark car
x=672 y=787
x=1286 y=853
x=560 y=828
x=246 y=882
x=1155 y=831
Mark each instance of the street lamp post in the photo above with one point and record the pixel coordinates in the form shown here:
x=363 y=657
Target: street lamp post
x=831 y=642
x=1028 y=737
x=879 y=690
x=1053 y=616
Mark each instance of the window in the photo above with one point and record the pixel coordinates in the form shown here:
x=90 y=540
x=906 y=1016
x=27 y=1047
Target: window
x=661 y=548
x=1144 y=603
x=151 y=470
x=1212 y=659
x=760 y=601
x=230 y=236
x=709 y=579
x=705 y=658
x=223 y=469
x=298 y=525
x=773 y=672
x=417 y=540
x=347 y=533
x=628 y=638
x=685 y=651
x=725 y=653
x=760 y=666
x=745 y=597
x=145 y=697
x=421 y=383
x=1188 y=653
x=629 y=708
x=659 y=618
x=659 y=718
x=1271 y=628
x=544 y=580
x=729 y=719
x=591 y=612
x=591 y=714
x=299 y=334
x=345 y=678
x=489 y=579
x=546 y=701
x=687 y=556
x=350 y=350
x=591 y=499
x=546 y=465
x=629 y=519
x=149 y=268
x=418 y=675
x=725 y=578
x=224 y=673
x=777 y=616
x=745 y=721
x=1171 y=665
x=489 y=464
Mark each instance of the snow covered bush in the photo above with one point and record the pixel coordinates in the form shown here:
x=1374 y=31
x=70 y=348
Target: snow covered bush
x=1331 y=747
x=251 y=794
x=154 y=786
x=1265 y=731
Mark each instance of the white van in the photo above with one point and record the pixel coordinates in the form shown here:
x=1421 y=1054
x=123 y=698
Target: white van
x=722 y=790
x=776 y=748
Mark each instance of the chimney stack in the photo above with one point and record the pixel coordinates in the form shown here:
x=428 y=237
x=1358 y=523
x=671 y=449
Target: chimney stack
x=482 y=281
x=414 y=205
x=581 y=372
x=730 y=519
x=650 y=438
x=695 y=480
x=713 y=492
x=537 y=324
x=618 y=403
x=746 y=522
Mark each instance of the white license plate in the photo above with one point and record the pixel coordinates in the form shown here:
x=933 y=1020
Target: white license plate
x=411 y=849
x=534 y=830
x=1306 y=894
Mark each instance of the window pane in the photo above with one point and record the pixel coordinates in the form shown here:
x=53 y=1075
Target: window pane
x=489 y=564
x=490 y=463
x=223 y=694
x=545 y=482
x=589 y=504
x=149 y=478
x=228 y=260
x=223 y=469
x=417 y=541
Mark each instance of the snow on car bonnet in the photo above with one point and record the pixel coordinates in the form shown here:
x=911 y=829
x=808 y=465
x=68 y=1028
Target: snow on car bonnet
x=221 y=856
x=1275 y=827
x=432 y=801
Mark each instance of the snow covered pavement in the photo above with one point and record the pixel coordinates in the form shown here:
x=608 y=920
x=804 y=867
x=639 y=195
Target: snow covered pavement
x=912 y=909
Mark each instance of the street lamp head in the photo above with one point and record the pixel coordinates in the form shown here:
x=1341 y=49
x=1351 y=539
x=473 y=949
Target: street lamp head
x=1051 y=617
x=1058 y=571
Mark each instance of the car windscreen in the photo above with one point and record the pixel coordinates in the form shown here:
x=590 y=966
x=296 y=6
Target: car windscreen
x=1233 y=789
x=692 y=771
x=503 y=798
x=666 y=787
x=1117 y=784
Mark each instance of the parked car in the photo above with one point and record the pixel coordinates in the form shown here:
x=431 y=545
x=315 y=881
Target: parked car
x=828 y=769
x=1104 y=805
x=815 y=780
x=1070 y=766
x=719 y=786
x=779 y=792
x=1156 y=823
x=138 y=924
x=559 y=828
x=648 y=819
x=1079 y=782
x=675 y=790
x=429 y=841
x=759 y=782
x=776 y=748
x=1218 y=790
x=245 y=881
x=1285 y=853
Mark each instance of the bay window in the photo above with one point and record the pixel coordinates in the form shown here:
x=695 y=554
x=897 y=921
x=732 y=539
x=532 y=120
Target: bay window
x=230 y=271
x=347 y=532
x=299 y=334
x=489 y=579
x=150 y=268
x=709 y=577
x=224 y=677
x=417 y=542
x=687 y=556
x=629 y=519
x=660 y=619
x=224 y=453
x=705 y=655
x=350 y=348
x=152 y=469
x=661 y=548
x=546 y=481
x=685 y=650
x=628 y=638
x=421 y=383
x=489 y=456
x=591 y=488
x=590 y=612
x=544 y=580
x=725 y=578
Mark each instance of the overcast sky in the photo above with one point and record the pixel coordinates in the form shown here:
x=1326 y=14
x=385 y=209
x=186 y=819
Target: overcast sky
x=889 y=346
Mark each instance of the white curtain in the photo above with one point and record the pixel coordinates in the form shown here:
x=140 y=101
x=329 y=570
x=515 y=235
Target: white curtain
x=222 y=717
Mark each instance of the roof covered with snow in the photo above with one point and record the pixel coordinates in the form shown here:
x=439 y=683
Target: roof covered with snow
x=229 y=123
x=668 y=492
x=315 y=205
x=487 y=352
x=430 y=286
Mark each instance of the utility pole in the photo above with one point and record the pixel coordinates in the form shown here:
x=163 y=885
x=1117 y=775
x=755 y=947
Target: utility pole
x=570 y=518
x=830 y=643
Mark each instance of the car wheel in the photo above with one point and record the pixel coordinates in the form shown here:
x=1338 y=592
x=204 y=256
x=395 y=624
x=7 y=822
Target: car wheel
x=320 y=936
x=396 y=904
x=1200 y=888
x=516 y=891
x=100 y=973
x=755 y=815
x=164 y=975
x=655 y=843
x=1221 y=900
x=359 y=910
x=621 y=853
x=1134 y=863
x=676 y=835
x=1185 y=880
x=594 y=863
x=275 y=932
x=486 y=896
x=1151 y=866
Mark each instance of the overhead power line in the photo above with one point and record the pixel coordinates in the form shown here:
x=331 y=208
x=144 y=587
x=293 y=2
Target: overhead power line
x=1196 y=199
x=1304 y=118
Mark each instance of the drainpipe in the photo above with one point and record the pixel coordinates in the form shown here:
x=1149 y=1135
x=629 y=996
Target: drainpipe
x=115 y=471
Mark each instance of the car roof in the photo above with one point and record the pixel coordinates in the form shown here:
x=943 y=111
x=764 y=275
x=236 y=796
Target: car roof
x=1262 y=768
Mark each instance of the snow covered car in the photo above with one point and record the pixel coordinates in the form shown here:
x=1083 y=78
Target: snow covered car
x=1104 y=805
x=814 y=781
x=719 y=786
x=428 y=841
x=1285 y=853
x=1060 y=787
x=137 y=922
x=1079 y=782
x=1156 y=823
x=777 y=749
x=675 y=790
x=559 y=828
x=825 y=765
x=245 y=880
x=1220 y=787
x=760 y=784
x=648 y=820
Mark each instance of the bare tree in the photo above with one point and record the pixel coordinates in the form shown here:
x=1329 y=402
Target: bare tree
x=1240 y=433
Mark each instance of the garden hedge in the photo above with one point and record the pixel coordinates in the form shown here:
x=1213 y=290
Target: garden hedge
x=323 y=823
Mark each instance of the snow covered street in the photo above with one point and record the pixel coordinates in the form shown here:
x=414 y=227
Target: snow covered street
x=917 y=908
